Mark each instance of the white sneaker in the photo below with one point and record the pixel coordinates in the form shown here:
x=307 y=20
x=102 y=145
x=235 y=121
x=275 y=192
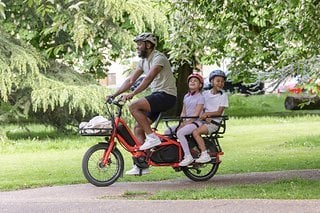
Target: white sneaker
x=136 y=171
x=188 y=159
x=204 y=158
x=150 y=142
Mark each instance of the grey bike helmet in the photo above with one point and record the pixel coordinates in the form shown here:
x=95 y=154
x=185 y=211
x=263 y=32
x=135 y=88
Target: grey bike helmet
x=146 y=37
x=215 y=73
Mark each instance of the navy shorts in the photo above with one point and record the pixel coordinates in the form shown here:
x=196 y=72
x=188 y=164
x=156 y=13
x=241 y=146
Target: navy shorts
x=160 y=102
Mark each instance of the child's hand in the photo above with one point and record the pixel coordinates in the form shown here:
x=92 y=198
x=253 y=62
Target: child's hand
x=204 y=116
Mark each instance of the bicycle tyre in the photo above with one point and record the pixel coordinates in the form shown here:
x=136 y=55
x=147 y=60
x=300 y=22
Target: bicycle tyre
x=201 y=172
x=102 y=175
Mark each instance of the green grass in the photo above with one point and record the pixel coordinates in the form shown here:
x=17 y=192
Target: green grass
x=284 y=189
x=262 y=105
x=261 y=136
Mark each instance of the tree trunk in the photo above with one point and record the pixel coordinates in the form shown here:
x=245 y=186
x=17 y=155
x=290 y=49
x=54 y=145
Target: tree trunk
x=182 y=87
x=302 y=102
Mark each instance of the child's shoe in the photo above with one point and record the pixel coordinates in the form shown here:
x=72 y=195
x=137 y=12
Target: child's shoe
x=204 y=157
x=188 y=159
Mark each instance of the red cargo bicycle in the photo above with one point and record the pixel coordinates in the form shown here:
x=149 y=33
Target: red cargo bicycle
x=103 y=163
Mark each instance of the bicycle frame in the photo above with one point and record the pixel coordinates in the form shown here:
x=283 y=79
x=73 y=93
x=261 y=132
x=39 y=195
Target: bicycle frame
x=103 y=163
x=134 y=148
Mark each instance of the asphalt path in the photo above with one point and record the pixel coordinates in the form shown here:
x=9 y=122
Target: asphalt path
x=88 y=198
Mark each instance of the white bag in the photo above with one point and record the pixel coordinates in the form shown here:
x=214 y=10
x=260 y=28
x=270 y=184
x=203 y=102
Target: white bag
x=96 y=125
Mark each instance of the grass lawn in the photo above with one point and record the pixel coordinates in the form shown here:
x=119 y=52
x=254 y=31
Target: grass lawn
x=260 y=136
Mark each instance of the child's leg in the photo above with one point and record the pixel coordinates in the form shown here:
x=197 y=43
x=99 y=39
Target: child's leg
x=170 y=130
x=197 y=136
x=181 y=134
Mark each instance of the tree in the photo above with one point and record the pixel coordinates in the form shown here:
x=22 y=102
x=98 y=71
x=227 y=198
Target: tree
x=87 y=34
x=25 y=83
x=266 y=39
x=20 y=65
x=83 y=34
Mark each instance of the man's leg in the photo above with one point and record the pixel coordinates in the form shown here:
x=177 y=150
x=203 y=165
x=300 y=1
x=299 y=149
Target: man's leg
x=139 y=133
x=139 y=111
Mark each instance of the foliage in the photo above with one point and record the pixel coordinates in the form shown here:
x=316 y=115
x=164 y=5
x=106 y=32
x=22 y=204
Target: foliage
x=53 y=93
x=59 y=96
x=261 y=38
x=87 y=34
x=19 y=65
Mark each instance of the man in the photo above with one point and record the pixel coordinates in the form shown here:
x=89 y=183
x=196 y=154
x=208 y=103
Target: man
x=159 y=76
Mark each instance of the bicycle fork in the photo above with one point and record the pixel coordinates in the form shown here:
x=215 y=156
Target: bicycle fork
x=105 y=158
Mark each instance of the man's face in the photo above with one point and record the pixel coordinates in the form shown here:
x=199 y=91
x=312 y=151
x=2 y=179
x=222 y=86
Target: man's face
x=142 y=49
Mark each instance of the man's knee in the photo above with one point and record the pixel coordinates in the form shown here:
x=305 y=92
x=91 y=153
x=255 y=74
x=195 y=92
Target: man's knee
x=133 y=107
x=139 y=105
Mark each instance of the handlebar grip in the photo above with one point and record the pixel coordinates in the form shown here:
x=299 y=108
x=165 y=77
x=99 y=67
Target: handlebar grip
x=110 y=99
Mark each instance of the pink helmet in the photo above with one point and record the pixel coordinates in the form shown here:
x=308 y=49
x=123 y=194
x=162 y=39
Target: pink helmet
x=196 y=75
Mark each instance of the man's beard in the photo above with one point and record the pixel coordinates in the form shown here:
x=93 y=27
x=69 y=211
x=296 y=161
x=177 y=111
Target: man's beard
x=143 y=53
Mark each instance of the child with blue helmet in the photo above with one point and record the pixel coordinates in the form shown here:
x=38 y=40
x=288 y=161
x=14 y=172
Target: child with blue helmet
x=216 y=100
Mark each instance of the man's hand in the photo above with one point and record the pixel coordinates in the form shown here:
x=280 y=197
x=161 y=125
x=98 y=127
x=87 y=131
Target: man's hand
x=109 y=98
x=128 y=96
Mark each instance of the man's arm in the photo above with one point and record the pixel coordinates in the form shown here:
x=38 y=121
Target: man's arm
x=128 y=82
x=154 y=71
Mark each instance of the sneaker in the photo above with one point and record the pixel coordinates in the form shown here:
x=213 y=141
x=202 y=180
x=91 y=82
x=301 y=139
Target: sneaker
x=136 y=171
x=150 y=142
x=204 y=158
x=188 y=159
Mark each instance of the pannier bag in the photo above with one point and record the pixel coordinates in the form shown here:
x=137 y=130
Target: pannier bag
x=165 y=154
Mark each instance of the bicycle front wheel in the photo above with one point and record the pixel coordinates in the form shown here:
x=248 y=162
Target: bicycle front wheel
x=98 y=173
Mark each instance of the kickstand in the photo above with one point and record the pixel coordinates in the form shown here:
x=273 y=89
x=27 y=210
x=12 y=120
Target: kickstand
x=140 y=172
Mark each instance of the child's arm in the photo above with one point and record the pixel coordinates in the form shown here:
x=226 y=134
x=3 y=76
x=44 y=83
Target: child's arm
x=199 y=109
x=219 y=112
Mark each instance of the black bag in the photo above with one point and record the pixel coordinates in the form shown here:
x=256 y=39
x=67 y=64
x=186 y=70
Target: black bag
x=165 y=154
x=123 y=132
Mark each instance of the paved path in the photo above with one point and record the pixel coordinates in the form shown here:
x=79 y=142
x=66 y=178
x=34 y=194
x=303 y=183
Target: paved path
x=88 y=198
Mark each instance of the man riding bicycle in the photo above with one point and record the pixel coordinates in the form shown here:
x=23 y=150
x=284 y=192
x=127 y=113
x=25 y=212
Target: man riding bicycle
x=158 y=75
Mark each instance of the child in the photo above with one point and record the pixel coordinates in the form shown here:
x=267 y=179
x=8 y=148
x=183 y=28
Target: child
x=215 y=103
x=193 y=103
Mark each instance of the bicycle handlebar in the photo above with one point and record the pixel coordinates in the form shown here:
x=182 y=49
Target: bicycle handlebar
x=119 y=102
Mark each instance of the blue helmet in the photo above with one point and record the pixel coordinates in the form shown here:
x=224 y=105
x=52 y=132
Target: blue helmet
x=215 y=73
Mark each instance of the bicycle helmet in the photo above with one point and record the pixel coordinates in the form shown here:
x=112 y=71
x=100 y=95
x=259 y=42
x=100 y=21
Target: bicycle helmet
x=215 y=73
x=196 y=75
x=146 y=37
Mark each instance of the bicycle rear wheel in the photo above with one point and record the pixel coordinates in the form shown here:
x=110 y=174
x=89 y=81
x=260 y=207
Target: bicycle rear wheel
x=201 y=172
x=95 y=171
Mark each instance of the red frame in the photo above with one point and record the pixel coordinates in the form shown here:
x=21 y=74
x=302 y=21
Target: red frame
x=134 y=150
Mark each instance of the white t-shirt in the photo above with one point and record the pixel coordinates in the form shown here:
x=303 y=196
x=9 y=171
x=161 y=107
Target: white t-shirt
x=214 y=101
